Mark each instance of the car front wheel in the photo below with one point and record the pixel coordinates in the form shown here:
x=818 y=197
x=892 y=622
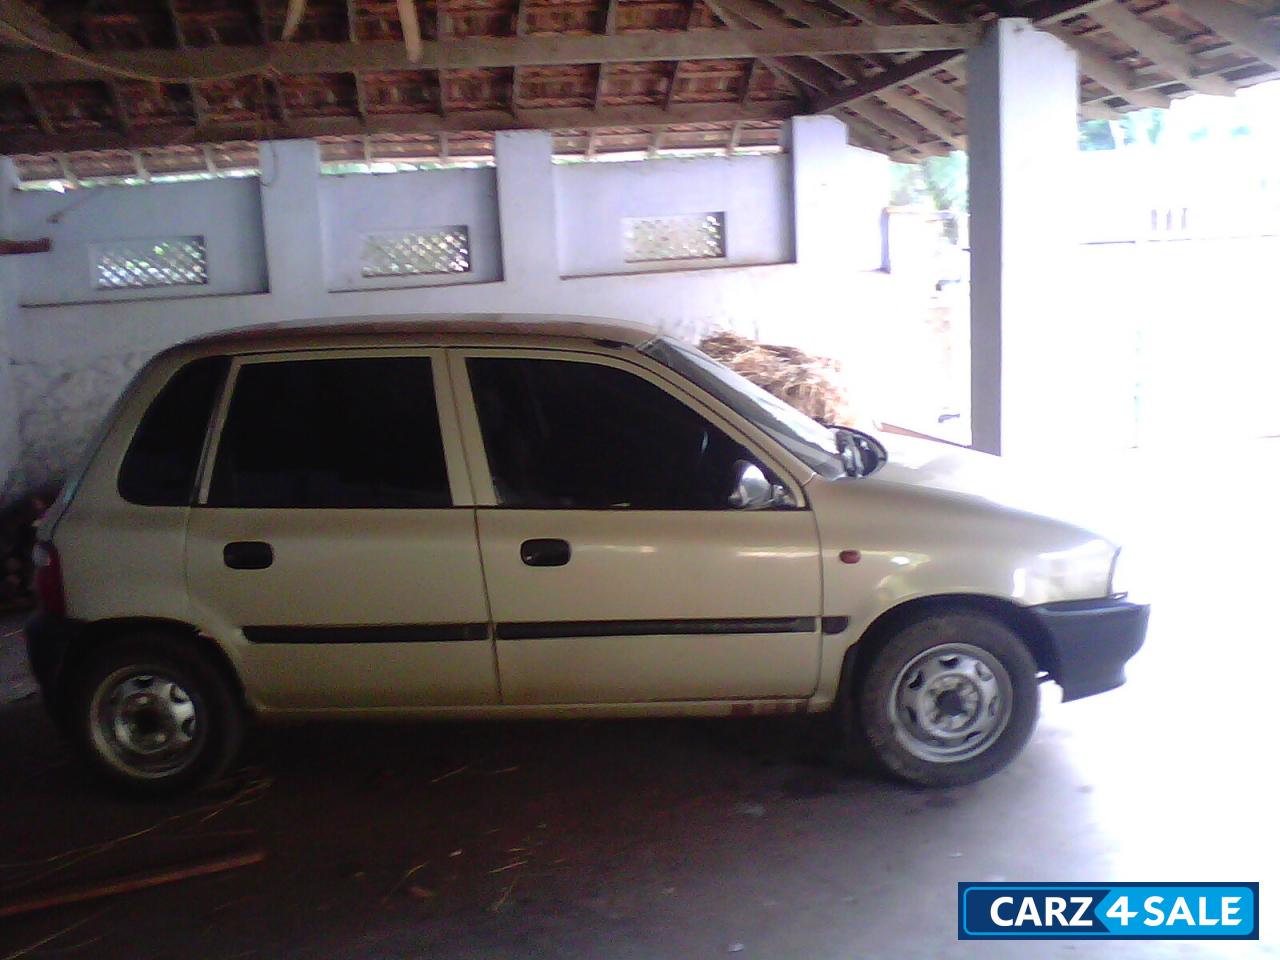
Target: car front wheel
x=947 y=700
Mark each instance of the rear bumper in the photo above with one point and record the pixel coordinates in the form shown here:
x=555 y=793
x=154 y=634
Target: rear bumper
x=1092 y=641
x=48 y=640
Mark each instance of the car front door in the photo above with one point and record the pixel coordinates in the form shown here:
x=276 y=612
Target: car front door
x=617 y=571
x=333 y=546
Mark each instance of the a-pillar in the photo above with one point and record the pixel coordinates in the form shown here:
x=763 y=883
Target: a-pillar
x=1023 y=143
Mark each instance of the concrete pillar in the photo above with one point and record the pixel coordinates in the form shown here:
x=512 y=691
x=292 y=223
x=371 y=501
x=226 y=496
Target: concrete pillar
x=10 y=440
x=292 y=227
x=1023 y=94
x=839 y=193
x=527 y=210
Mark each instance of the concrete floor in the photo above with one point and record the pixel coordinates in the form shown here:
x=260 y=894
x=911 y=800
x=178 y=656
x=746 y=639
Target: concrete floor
x=702 y=839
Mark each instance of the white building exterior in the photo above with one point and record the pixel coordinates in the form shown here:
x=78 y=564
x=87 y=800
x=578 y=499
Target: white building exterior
x=800 y=236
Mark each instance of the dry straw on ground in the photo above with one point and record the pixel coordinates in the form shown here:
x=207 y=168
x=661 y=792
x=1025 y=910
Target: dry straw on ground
x=812 y=384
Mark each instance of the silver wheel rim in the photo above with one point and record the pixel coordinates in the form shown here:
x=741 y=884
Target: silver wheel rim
x=950 y=703
x=144 y=723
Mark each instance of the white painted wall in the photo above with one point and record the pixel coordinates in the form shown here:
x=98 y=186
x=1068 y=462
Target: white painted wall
x=69 y=360
x=353 y=206
x=227 y=213
x=593 y=199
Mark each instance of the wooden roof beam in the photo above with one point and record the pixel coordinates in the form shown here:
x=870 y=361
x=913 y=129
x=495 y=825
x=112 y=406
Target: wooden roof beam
x=1116 y=77
x=460 y=53
x=610 y=24
x=1160 y=49
x=943 y=94
x=1239 y=26
x=412 y=31
x=925 y=115
x=556 y=118
x=294 y=12
x=22 y=24
x=890 y=123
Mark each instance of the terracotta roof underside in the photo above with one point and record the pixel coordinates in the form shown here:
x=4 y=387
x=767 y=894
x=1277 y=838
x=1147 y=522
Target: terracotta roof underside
x=150 y=87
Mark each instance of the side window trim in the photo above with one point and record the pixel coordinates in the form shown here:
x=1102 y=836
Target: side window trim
x=460 y=484
x=473 y=439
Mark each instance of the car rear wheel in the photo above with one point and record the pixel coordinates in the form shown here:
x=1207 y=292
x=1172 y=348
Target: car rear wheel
x=947 y=700
x=155 y=717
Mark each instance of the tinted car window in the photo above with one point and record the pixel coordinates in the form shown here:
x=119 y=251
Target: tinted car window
x=588 y=436
x=160 y=468
x=361 y=432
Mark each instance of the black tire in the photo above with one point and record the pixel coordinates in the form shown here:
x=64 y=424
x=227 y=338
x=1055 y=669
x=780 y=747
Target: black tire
x=184 y=697
x=994 y=705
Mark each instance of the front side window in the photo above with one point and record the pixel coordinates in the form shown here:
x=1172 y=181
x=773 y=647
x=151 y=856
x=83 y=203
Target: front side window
x=160 y=467
x=565 y=434
x=344 y=433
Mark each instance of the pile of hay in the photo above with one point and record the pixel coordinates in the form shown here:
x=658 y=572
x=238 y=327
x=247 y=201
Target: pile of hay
x=813 y=385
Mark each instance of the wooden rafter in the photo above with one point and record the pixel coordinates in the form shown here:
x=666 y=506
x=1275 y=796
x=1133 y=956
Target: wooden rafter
x=1159 y=48
x=21 y=23
x=479 y=52
x=925 y=115
x=891 y=123
x=787 y=70
x=943 y=94
x=610 y=24
x=412 y=31
x=353 y=36
x=766 y=16
x=519 y=28
x=558 y=118
x=1238 y=25
x=43 y=120
x=1117 y=78
x=675 y=71
x=443 y=29
x=294 y=12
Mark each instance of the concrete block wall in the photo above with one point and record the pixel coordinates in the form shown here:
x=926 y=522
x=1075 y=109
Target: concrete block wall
x=803 y=260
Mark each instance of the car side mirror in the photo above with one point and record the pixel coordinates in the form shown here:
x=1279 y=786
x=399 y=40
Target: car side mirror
x=753 y=491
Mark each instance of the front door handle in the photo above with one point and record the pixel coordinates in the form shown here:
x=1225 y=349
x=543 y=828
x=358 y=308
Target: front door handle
x=248 y=555
x=545 y=553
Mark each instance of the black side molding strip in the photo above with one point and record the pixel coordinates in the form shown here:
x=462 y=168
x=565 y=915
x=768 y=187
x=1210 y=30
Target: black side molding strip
x=546 y=630
x=835 y=624
x=397 y=633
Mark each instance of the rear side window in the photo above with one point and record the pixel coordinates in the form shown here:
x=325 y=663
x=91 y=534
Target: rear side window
x=160 y=468
x=348 y=433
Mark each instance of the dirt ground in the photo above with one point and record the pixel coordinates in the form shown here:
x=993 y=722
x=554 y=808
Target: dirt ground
x=679 y=839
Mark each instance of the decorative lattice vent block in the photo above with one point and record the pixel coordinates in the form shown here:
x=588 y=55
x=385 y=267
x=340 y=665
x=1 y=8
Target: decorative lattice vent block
x=694 y=236
x=438 y=250
x=164 y=262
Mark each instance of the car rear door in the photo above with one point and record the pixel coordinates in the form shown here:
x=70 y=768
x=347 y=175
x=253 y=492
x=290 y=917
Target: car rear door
x=333 y=546
x=617 y=572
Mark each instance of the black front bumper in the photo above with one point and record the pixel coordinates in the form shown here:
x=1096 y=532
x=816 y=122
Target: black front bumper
x=1092 y=640
x=48 y=640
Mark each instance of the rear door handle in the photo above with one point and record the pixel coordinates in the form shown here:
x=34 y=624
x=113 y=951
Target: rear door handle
x=248 y=555
x=545 y=553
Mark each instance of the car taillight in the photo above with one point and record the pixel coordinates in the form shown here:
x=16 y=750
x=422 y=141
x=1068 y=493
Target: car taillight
x=48 y=580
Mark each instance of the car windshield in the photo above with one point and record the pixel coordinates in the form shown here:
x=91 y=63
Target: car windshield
x=807 y=439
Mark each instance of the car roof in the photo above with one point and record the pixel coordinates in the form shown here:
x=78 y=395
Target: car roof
x=423 y=330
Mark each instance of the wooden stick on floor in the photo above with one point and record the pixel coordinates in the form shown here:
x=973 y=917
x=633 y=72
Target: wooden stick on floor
x=137 y=881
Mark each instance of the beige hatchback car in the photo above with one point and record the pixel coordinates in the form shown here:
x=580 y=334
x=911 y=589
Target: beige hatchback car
x=539 y=517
